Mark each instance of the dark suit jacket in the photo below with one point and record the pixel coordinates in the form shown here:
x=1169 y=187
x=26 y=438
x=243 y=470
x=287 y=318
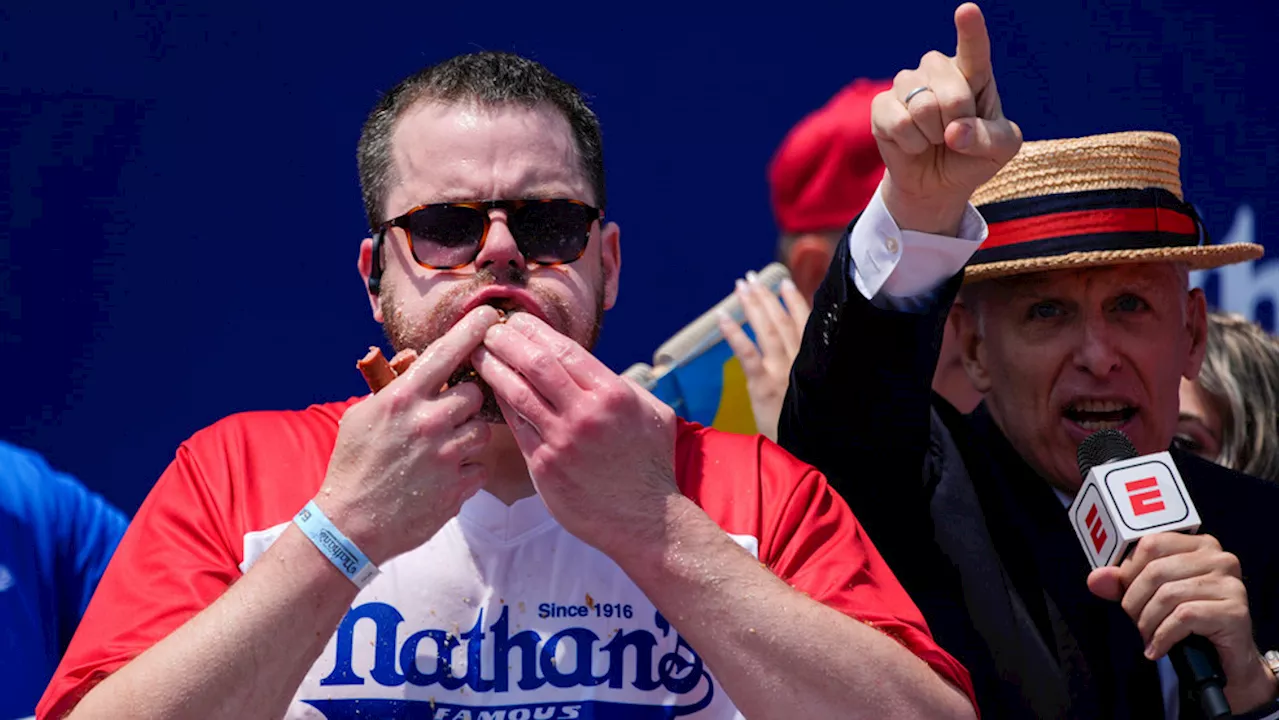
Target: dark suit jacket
x=934 y=491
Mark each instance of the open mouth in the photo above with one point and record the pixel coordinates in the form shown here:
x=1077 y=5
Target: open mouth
x=504 y=306
x=1093 y=415
x=505 y=303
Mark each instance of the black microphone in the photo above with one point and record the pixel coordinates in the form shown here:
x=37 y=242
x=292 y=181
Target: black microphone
x=1123 y=498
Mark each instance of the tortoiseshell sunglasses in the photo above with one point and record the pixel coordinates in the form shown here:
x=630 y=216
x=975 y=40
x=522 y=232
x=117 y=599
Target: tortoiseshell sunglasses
x=447 y=236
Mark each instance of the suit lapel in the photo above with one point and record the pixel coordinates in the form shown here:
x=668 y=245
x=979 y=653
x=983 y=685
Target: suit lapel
x=1027 y=670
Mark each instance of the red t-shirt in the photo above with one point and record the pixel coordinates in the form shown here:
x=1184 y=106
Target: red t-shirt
x=235 y=485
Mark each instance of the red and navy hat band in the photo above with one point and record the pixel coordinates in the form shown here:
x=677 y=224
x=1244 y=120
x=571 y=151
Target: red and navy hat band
x=1088 y=221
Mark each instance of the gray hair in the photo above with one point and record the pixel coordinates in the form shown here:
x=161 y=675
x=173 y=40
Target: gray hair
x=1240 y=370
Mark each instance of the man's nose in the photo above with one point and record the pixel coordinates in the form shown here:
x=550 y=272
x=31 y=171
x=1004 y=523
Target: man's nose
x=1097 y=352
x=500 y=250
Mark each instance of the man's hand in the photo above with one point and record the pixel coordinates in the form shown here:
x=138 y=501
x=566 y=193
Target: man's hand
x=401 y=466
x=778 y=331
x=600 y=450
x=944 y=143
x=1174 y=585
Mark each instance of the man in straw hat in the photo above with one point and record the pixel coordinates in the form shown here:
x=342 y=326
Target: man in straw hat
x=1075 y=315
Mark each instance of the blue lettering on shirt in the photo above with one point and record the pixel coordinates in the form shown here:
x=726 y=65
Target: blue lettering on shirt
x=679 y=672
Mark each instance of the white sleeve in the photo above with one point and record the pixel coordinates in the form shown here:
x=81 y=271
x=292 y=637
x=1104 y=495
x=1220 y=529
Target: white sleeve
x=901 y=270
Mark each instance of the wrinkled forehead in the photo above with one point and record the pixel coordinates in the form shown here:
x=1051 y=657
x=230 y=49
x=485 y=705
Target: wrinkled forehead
x=444 y=152
x=1160 y=278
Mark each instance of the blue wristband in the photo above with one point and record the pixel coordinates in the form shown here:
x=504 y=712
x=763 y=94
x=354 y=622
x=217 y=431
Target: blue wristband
x=341 y=551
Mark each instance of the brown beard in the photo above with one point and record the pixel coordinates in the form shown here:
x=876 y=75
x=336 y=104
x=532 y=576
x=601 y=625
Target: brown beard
x=419 y=333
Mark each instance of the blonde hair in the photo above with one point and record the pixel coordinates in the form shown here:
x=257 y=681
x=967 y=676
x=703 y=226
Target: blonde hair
x=1241 y=372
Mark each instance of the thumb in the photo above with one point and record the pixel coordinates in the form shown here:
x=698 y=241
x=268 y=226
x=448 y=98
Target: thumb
x=997 y=140
x=1107 y=583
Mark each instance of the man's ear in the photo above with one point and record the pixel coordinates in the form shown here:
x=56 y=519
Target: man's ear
x=1197 y=332
x=808 y=258
x=967 y=326
x=371 y=275
x=610 y=261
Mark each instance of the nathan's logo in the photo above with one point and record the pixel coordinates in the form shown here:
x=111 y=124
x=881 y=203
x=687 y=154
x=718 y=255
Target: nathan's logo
x=679 y=672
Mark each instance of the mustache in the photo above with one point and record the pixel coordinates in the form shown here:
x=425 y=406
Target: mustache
x=509 y=275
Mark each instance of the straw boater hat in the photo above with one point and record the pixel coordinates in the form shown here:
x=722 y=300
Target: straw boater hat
x=1097 y=200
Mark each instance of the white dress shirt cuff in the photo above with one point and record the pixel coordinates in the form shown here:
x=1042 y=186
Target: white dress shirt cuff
x=902 y=270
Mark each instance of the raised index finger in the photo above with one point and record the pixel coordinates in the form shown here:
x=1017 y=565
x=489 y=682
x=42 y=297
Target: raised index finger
x=435 y=364
x=973 y=46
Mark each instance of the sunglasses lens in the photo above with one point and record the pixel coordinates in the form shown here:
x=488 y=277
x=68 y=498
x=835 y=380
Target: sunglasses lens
x=445 y=236
x=555 y=231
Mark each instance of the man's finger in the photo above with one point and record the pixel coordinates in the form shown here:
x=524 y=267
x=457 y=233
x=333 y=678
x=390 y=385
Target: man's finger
x=761 y=322
x=995 y=140
x=1153 y=547
x=660 y=408
x=432 y=369
x=538 y=364
x=745 y=350
x=797 y=307
x=973 y=46
x=526 y=435
x=951 y=91
x=915 y=91
x=460 y=403
x=1162 y=571
x=509 y=386
x=1201 y=617
x=1107 y=583
x=1192 y=589
x=585 y=369
x=468 y=440
x=772 y=307
x=892 y=124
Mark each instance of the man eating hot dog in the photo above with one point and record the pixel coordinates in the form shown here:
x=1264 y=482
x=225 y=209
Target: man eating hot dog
x=550 y=542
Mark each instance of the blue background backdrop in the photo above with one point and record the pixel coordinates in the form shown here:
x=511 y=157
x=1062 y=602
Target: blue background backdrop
x=182 y=189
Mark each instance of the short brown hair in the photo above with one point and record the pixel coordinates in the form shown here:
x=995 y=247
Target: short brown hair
x=488 y=79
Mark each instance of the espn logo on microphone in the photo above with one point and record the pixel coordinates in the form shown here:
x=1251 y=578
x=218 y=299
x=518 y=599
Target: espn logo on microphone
x=1121 y=501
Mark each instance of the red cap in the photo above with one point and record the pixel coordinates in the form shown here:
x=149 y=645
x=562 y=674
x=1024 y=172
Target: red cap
x=828 y=167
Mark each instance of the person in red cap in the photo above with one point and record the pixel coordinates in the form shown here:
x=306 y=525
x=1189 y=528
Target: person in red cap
x=821 y=177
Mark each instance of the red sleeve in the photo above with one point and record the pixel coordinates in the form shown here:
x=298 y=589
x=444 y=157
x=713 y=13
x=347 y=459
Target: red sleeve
x=814 y=543
x=174 y=560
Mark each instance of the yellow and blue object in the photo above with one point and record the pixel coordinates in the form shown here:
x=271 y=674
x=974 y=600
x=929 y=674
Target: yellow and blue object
x=696 y=372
